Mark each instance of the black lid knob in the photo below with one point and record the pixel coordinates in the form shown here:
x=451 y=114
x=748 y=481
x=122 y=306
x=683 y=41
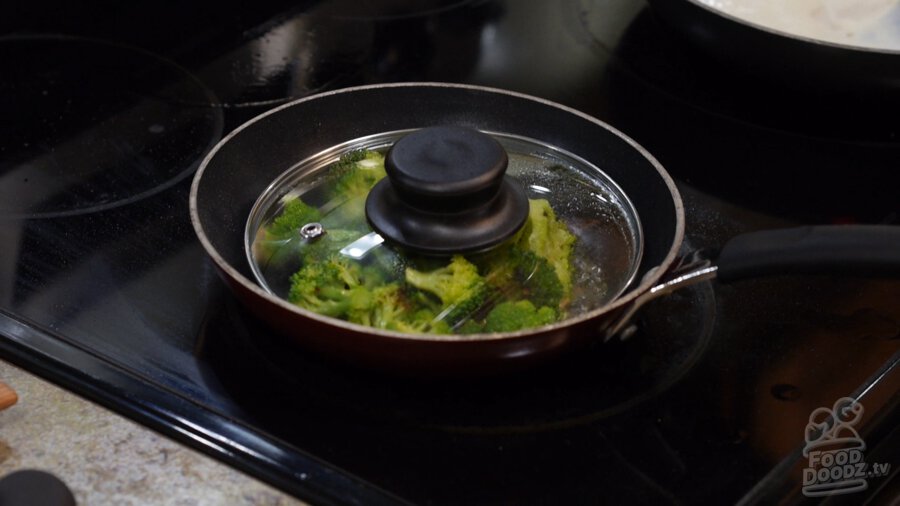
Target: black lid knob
x=446 y=192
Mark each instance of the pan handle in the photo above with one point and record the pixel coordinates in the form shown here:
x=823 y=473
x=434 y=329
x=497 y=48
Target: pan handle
x=855 y=250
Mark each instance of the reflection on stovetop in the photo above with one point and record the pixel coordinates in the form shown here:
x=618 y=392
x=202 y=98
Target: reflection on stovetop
x=260 y=55
x=706 y=402
x=97 y=125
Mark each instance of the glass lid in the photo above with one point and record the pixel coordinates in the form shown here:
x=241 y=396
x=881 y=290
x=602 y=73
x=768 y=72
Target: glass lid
x=313 y=237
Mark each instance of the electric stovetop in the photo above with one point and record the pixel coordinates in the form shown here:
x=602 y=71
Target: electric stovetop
x=108 y=110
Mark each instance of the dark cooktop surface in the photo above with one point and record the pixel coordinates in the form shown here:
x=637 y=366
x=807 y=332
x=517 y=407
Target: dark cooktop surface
x=104 y=288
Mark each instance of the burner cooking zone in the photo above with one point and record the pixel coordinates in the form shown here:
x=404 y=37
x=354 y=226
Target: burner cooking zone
x=90 y=125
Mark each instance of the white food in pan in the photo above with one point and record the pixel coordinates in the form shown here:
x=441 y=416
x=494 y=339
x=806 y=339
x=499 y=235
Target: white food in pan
x=865 y=23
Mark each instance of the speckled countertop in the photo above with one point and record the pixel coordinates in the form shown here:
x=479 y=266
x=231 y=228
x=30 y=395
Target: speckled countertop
x=107 y=459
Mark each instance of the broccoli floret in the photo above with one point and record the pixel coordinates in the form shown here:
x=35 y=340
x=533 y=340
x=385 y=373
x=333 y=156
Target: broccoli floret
x=295 y=214
x=326 y=246
x=451 y=283
x=278 y=242
x=394 y=311
x=470 y=326
x=461 y=290
x=523 y=282
x=541 y=282
x=390 y=306
x=466 y=309
x=517 y=315
x=521 y=274
x=550 y=239
x=344 y=289
x=347 y=162
x=356 y=173
x=532 y=275
x=331 y=288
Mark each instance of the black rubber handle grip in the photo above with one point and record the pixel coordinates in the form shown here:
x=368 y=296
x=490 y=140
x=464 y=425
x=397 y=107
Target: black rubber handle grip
x=855 y=250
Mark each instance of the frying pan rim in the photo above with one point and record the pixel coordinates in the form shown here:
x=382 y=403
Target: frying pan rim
x=650 y=278
x=788 y=35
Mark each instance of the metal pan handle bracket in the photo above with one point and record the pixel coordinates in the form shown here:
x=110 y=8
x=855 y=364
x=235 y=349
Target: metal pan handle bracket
x=691 y=271
x=856 y=250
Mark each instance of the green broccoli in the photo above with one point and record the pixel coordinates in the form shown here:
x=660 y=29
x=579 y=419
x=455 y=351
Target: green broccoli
x=278 y=242
x=470 y=326
x=294 y=215
x=389 y=306
x=327 y=245
x=356 y=173
x=510 y=316
x=347 y=162
x=518 y=273
x=461 y=290
x=394 y=310
x=531 y=276
x=550 y=239
x=345 y=289
x=331 y=288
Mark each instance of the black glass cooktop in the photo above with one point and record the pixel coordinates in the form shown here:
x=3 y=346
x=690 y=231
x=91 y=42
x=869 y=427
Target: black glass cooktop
x=104 y=288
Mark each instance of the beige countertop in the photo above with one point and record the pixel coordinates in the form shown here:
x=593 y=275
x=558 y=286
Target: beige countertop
x=107 y=459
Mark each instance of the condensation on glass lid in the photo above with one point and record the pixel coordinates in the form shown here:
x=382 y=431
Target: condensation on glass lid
x=606 y=237
x=872 y=24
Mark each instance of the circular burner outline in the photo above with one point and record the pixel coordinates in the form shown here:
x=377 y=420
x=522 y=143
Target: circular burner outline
x=217 y=126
